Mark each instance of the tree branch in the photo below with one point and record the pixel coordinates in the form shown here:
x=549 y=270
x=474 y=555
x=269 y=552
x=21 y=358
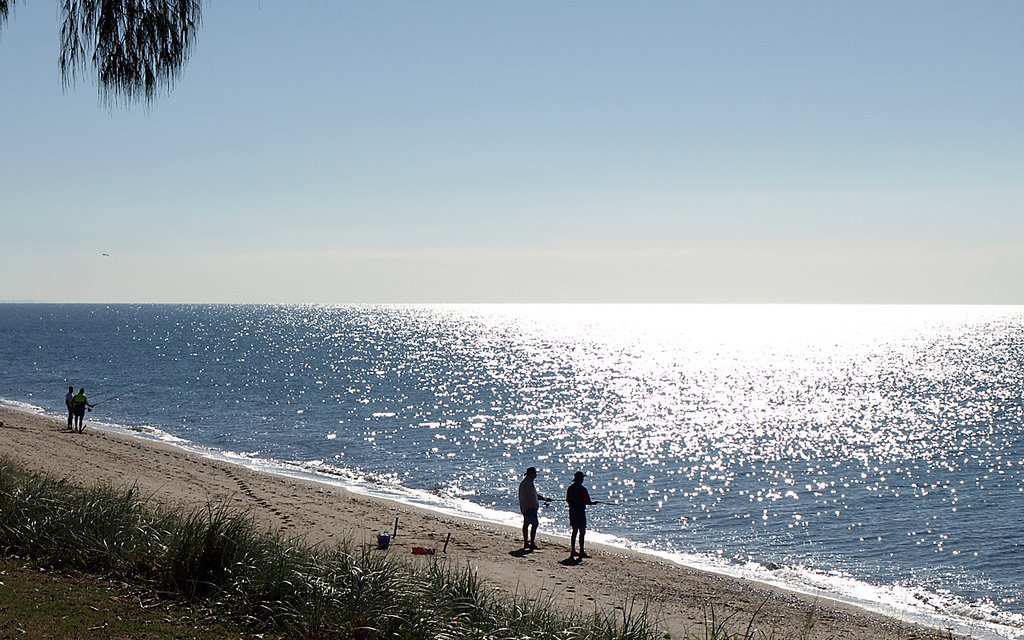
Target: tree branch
x=137 y=47
x=5 y=8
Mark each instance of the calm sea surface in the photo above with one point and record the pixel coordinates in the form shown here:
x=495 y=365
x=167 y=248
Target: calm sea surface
x=873 y=453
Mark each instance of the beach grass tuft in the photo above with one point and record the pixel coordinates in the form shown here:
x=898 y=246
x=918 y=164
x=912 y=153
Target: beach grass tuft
x=225 y=561
x=225 y=565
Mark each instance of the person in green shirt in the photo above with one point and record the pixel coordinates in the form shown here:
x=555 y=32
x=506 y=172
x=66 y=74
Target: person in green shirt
x=79 y=403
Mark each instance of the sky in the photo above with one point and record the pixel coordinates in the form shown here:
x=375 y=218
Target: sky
x=328 y=151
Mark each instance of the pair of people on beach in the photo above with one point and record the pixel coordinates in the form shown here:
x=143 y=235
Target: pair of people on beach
x=76 y=404
x=577 y=497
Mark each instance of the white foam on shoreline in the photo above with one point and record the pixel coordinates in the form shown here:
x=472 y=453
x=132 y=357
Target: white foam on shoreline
x=944 y=612
x=23 y=406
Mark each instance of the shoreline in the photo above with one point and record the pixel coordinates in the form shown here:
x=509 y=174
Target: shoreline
x=679 y=597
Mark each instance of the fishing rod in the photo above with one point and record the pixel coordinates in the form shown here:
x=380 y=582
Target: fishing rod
x=105 y=400
x=548 y=501
x=115 y=394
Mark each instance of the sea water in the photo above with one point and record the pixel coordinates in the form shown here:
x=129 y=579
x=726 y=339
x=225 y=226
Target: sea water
x=870 y=453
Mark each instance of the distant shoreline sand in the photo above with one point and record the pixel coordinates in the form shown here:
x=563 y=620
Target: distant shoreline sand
x=680 y=598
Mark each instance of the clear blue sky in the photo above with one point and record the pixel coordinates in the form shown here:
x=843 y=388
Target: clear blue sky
x=435 y=151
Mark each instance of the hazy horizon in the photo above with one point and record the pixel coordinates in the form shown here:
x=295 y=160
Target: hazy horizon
x=675 y=152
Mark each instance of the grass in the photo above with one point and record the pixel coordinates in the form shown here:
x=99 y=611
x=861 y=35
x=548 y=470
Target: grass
x=218 y=561
x=44 y=605
x=103 y=562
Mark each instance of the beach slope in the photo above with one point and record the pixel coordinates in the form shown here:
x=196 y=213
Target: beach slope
x=680 y=598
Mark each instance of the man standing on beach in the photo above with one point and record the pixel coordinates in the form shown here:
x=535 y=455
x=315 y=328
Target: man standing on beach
x=69 y=402
x=80 y=403
x=529 y=504
x=578 y=498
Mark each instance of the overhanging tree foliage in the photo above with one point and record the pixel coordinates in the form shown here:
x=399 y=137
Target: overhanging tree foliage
x=136 y=47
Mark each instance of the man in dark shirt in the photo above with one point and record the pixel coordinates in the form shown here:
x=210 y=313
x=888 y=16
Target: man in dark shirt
x=578 y=498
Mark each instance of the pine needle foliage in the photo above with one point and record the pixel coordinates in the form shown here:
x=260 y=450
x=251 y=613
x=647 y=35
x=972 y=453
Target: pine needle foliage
x=137 y=47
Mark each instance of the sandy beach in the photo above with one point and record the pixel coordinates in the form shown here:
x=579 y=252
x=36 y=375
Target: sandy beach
x=680 y=598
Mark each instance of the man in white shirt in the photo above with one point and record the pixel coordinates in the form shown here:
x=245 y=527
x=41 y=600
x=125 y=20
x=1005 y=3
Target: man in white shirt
x=69 y=402
x=529 y=504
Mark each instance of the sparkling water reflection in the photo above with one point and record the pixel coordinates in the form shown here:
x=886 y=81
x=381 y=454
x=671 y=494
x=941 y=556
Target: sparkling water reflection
x=877 y=443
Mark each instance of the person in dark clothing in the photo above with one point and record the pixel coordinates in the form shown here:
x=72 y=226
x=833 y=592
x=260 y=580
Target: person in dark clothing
x=578 y=498
x=529 y=504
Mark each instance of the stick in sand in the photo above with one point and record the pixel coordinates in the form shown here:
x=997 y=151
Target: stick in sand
x=446 y=541
x=394 y=534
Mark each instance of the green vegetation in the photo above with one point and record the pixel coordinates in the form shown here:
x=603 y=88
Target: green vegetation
x=103 y=563
x=43 y=605
x=222 y=564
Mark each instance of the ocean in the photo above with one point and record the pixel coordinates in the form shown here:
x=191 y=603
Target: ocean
x=870 y=453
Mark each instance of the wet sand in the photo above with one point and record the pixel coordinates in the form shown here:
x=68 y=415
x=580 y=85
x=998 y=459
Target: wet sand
x=679 y=598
